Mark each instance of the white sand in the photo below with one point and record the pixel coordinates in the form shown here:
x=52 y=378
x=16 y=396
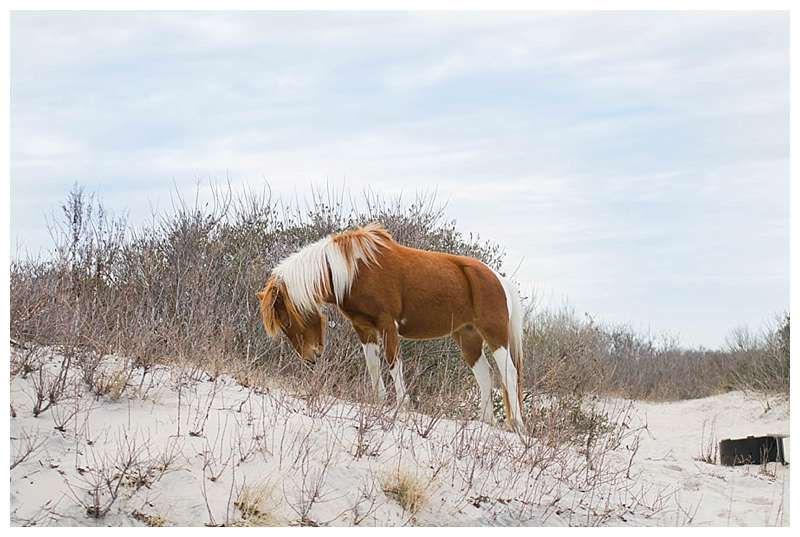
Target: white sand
x=318 y=467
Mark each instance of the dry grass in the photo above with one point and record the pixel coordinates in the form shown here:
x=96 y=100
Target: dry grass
x=112 y=383
x=407 y=489
x=153 y=521
x=256 y=506
x=709 y=443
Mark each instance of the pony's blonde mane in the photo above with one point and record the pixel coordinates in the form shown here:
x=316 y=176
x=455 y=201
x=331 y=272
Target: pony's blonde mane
x=267 y=298
x=327 y=266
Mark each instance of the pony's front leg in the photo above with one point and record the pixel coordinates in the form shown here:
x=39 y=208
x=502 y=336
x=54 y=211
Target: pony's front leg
x=483 y=376
x=372 y=354
x=391 y=344
x=399 y=383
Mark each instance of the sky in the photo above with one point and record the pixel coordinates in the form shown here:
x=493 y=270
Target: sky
x=635 y=164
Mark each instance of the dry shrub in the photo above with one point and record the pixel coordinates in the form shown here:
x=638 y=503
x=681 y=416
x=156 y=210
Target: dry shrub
x=111 y=384
x=182 y=289
x=568 y=355
x=153 y=521
x=760 y=361
x=709 y=443
x=256 y=505
x=27 y=445
x=566 y=419
x=406 y=488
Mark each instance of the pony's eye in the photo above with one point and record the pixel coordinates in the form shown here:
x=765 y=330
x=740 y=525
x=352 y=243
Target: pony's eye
x=331 y=324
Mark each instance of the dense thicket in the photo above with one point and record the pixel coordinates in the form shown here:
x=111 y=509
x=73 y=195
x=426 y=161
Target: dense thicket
x=183 y=288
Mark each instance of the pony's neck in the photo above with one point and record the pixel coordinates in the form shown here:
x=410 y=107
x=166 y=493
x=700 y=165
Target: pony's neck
x=324 y=271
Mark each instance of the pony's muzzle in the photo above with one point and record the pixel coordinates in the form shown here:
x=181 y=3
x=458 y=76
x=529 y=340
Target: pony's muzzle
x=312 y=360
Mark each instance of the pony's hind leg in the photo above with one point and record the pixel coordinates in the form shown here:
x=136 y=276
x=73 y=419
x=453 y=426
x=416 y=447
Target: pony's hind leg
x=493 y=307
x=471 y=344
x=483 y=376
x=508 y=374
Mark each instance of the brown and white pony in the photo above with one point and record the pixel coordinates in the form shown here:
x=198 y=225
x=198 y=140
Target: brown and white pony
x=389 y=291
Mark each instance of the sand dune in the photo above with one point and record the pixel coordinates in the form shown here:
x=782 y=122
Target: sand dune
x=182 y=449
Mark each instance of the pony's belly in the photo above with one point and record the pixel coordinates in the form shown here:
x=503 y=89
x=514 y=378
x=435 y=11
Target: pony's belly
x=431 y=329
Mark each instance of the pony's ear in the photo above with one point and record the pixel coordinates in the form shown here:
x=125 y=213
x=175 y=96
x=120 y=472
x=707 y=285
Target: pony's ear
x=277 y=296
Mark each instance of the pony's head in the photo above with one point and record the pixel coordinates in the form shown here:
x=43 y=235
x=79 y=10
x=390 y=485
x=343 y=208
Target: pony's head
x=323 y=271
x=304 y=329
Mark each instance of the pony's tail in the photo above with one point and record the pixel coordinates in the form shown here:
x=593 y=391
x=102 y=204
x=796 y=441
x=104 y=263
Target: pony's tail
x=515 y=334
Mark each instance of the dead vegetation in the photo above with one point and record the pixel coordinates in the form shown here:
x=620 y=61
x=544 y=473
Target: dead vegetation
x=153 y=521
x=576 y=355
x=181 y=288
x=27 y=445
x=709 y=443
x=406 y=488
x=256 y=505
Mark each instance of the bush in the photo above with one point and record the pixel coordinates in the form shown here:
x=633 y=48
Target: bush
x=760 y=362
x=406 y=488
x=183 y=288
x=567 y=355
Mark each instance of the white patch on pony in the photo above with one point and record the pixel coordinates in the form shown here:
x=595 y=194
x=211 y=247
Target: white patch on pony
x=372 y=355
x=399 y=383
x=508 y=374
x=483 y=375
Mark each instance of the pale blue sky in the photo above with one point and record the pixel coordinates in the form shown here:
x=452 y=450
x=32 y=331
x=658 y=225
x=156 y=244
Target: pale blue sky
x=637 y=162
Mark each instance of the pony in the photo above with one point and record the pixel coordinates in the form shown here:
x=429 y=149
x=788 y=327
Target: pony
x=389 y=291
